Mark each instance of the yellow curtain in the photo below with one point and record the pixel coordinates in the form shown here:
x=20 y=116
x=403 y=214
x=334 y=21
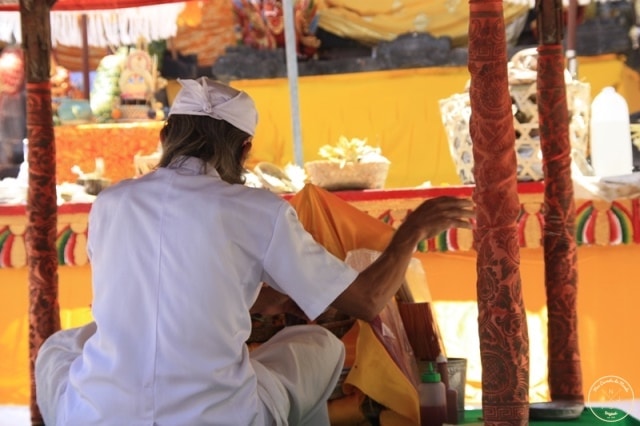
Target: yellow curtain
x=397 y=111
x=373 y=21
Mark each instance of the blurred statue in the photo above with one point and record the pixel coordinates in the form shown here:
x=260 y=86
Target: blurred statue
x=13 y=110
x=262 y=25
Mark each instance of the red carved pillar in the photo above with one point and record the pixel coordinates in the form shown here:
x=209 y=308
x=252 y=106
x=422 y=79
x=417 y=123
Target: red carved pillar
x=44 y=316
x=504 y=342
x=560 y=250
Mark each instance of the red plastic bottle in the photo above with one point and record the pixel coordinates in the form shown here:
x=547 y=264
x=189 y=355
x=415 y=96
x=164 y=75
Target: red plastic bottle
x=433 y=399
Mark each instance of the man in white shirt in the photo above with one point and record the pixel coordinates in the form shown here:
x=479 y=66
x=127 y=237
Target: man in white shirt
x=178 y=259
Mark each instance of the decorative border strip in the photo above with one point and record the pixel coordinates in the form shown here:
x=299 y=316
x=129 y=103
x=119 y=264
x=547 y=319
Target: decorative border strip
x=71 y=239
x=598 y=222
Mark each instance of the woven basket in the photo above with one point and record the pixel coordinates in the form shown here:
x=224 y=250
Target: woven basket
x=456 y=111
x=333 y=176
x=134 y=112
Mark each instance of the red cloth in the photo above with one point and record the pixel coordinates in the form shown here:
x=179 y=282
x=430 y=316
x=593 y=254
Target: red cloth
x=90 y=4
x=504 y=342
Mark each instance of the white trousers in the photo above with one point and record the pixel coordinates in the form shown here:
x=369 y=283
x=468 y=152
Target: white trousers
x=297 y=370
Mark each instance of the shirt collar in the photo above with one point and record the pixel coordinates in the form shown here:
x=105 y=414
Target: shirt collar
x=192 y=166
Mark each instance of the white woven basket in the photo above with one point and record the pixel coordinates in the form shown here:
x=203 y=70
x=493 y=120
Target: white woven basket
x=334 y=176
x=456 y=111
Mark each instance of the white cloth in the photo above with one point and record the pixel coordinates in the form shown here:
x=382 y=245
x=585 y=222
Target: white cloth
x=296 y=371
x=178 y=258
x=298 y=368
x=210 y=98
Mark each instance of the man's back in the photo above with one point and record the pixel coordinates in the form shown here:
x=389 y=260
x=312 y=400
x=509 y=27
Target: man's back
x=176 y=260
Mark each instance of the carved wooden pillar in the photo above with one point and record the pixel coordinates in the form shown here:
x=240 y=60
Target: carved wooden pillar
x=42 y=261
x=559 y=245
x=502 y=323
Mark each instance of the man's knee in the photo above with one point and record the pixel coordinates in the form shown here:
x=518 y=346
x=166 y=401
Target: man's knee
x=330 y=342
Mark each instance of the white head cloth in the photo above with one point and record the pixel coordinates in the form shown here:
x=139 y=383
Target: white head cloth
x=211 y=98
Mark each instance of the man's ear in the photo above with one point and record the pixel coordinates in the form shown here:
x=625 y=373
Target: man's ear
x=246 y=148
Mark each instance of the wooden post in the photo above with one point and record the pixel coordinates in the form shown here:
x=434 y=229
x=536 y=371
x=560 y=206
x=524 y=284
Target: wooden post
x=42 y=259
x=502 y=322
x=86 y=82
x=560 y=249
x=570 y=52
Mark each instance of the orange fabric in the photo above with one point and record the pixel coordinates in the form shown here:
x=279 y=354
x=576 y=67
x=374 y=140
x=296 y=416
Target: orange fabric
x=115 y=143
x=340 y=227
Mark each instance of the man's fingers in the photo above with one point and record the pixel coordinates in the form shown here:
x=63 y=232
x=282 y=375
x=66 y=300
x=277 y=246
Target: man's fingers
x=448 y=203
x=460 y=223
x=460 y=213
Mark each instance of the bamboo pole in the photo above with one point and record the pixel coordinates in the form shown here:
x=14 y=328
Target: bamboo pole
x=291 y=51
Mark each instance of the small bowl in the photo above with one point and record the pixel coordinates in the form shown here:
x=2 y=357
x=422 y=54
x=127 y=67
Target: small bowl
x=94 y=186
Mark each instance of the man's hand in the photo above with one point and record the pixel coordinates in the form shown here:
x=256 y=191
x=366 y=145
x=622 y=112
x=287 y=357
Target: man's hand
x=379 y=282
x=436 y=215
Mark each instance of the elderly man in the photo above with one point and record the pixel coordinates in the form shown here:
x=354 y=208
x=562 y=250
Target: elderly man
x=180 y=257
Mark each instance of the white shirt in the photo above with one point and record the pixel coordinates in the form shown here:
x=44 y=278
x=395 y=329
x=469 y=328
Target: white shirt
x=178 y=257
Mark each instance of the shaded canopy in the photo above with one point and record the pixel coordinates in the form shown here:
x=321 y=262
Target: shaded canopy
x=83 y=24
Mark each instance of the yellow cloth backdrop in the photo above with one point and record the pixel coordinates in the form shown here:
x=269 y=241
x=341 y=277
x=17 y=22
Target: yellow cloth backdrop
x=396 y=110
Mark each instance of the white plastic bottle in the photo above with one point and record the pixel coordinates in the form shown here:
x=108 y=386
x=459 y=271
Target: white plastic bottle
x=23 y=171
x=610 y=135
x=433 y=399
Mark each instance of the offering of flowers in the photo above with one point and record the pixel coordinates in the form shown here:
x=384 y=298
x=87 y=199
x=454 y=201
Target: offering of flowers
x=351 y=151
x=349 y=164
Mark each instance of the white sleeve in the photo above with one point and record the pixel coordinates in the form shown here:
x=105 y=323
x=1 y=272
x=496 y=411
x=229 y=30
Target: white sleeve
x=297 y=265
